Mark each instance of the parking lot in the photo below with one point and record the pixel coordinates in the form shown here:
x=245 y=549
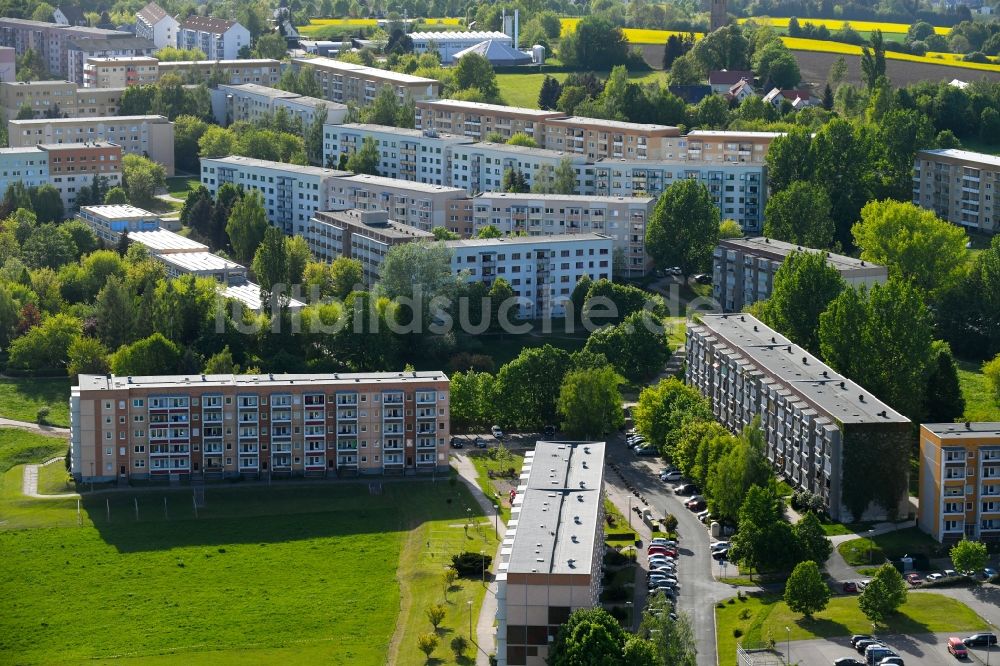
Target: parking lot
x=918 y=650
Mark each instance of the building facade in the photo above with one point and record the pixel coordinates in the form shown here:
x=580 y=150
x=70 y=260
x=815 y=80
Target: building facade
x=624 y=219
x=73 y=166
x=120 y=72
x=155 y=24
x=8 y=64
x=111 y=221
x=415 y=204
x=550 y=559
x=262 y=71
x=822 y=431
x=960 y=481
x=79 y=51
x=478 y=120
x=743 y=269
x=252 y=102
x=959 y=185
x=50 y=40
x=219 y=39
x=27 y=165
x=148 y=136
x=258 y=425
x=420 y=156
x=724 y=147
x=59 y=99
x=480 y=167
x=345 y=82
x=599 y=139
x=447 y=44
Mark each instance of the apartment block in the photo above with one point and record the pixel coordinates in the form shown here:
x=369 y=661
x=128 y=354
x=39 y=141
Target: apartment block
x=541 y=270
x=8 y=64
x=365 y=235
x=148 y=136
x=111 y=221
x=728 y=147
x=447 y=44
x=76 y=165
x=345 y=82
x=624 y=219
x=421 y=156
x=819 y=426
x=743 y=269
x=79 y=51
x=959 y=185
x=252 y=102
x=50 y=40
x=960 y=481
x=219 y=39
x=262 y=71
x=415 y=204
x=478 y=120
x=599 y=139
x=27 y=165
x=739 y=190
x=213 y=426
x=59 y=99
x=155 y=24
x=120 y=72
x=291 y=193
x=550 y=559
x=480 y=167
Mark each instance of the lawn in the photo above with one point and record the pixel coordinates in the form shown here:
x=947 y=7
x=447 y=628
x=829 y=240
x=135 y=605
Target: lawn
x=522 y=89
x=979 y=402
x=831 y=528
x=181 y=186
x=23 y=446
x=55 y=480
x=483 y=463
x=21 y=397
x=263 y=575
x=891 y=545
x=759 y=618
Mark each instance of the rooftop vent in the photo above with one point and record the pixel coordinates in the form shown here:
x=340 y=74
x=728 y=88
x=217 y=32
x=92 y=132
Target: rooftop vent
x=843 y=385
x=755 y=328
x=883 y=414
x=826 y=374
x=805 y=360
x=773 y=341
x=968 y=425
x=861 y=397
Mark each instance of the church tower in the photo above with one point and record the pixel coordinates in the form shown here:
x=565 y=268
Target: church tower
x=719 y=16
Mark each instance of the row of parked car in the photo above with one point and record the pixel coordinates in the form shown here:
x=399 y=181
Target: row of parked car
x=877 y=653
x=661 y=556
x=638 y=445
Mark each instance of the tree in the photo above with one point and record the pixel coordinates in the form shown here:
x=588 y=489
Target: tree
x=730 y=229
x=883 y=595
x=270 y=262
x=774 y=62
x=590 y=402
x=969 y=555
x=472 y=399
x=346 y=275
x=47 y=203
x=664 y=408
x=514 y=181
x=314 y=136
x=221 y=363
x=800 y=214
x=45 y=347
x=9 y=315
x=803 y=288
x=154 y=355
x=115 y=196
x=812 y=539
x=589 y=636
x=838 y=156
x=685 y=71
x=435 y=614
x=684 y=228
x=742 y=466
x=640 y=652
x=564 y=178
x=188 y=130
x=427 y=643
x=763 y=540
x=475 y=71
x=899 y=135
x=114 y=313
x=86 y=356
x=548 y=96
x=991 y=369
x=675 y=47
x=217 y=142
x=596 y=44
x=712 y=112
x=805 y=590
x=873 y=60
x=943 y=400
x=528 y=387
x=366 y=159
x=142 y=177
x=246 y=226
x=522 y=139
x=914 y=244
x=271 y=45
x=637 y=347
x=417 y=269
x=671 y=634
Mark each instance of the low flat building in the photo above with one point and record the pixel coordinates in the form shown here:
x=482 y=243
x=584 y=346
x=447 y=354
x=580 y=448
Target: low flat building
x=622 y=218
x=148 y=136
x=550 y=559
x=161 y=241
x=415 y=204
x=248 y=294
x=262 y=71
x=478 y=120
x=252 y=102
x=960 y=481
x=120 y=71
x=743 y=269
x=480 y=167
x=208 y=426
x=73 y=166
x=447 y=44
x=819 y=427
x=958 y=185
x=421 y=156
x=203 y=264
x=109 y=222
x=59 y=99
x=26 y=165
x=345 y=82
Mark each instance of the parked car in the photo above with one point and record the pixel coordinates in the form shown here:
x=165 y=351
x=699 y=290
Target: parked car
x=894 y=660
x=874 y=654
x=659 y=560
x=686 y=489
x=671 y=477
x=980 y=639
x=480 y=443
x=647 y=451
x=862 y=584
x=847 y=661
x=664 y=569
x=696 y=505
x=657 y=550
x=456 y=443
x=549 y=431
x=850 y=587
x=989 y=573
x=702 y=278
x=858 y=637
x=950 y=573
x=719 y=545
x=703 y=516
x=720 y=555
x=863 y=644
x=934 y=576
x=957 y=648
x=661 y=541
x=675 y=270
x=914 y=579
x=497 y=432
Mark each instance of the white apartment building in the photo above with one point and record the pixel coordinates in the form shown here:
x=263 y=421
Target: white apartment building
x=154 y=23
x=739 y=190
x=149 y=136
x=262 y=71
x=447 y=44
x=421 y=156
x=731 y=147
x=27 y=165
x=743 y=269
x=550 y=559
x=291 y=193
x=624 y=219
x=219 y=39
x=111 y=221
x=345 y=82
x=480 y=167
x=415 y=204
x=252 y=102
x=959 y=186
x=120 y=72
x=542 y=270
x=815 y=421
x=78 y=52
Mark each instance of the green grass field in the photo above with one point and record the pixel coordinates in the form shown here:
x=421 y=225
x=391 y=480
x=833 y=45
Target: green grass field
x=758 y=618
x=181 y=186
x=483 y=464
x=296 y=573
x=891 y=545
x=18 y=447
x=21 y=397
x=522 y=89
x=979 y=402
x=55 y=480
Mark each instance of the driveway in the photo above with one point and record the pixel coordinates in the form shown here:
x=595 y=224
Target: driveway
x=699 y=591
x=916 y=650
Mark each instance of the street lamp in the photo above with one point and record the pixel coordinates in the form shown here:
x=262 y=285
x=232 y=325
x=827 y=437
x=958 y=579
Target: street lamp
x=631 y=622
x=871 y=534
x=630 y=512
x=788 y=642
x=469 y=602
x=496 y=518
x=482 y=559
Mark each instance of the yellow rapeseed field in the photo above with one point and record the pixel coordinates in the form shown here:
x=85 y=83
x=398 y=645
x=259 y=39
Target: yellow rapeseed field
x=633 y=35
x=837 y=24
x=951 y=59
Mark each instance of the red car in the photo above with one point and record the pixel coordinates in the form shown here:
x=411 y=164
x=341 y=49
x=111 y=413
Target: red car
x=914 y=579
x=957 y=648
x=850 y=587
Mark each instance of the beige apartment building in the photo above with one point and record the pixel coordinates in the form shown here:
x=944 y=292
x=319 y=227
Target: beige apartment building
x=120 y=72
x=213 y=426
x=73 y=166
x=718 y=147
x=262 y=71
x=149 y=136
x=478 y=120
x=59 y=99
x=608 y=139
x=959 y=186
x=415 y=204
x=345 y=82
x=550 y=559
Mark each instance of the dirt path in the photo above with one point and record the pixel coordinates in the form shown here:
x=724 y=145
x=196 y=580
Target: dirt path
x=29 y=483
x=412 y=545
x=28 y=425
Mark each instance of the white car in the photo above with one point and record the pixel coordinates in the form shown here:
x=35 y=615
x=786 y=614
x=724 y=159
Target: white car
x=935 y=576
x=719 y=545
x=660 y=541
x=671 y=477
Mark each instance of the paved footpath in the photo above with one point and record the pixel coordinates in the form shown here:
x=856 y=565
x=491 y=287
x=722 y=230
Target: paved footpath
x=29 y=482
x=55 y=431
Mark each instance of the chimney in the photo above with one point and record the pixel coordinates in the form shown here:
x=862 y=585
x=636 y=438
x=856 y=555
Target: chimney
x=517 y=26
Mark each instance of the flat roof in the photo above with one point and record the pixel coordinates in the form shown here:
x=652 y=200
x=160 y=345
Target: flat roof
x=558 y=523
x=239 y=160
x=401 y=131
x=475 y=35
x=161 y=240
x=314 y=102
x=76 y=145
x=102 y=60
x=249 y=62
x=776 y=249
x=383 y=225
x=347 y=379
x=525 y=150
x=733 y=134
x=971 y=429
x=382 y=181
x=330 y=63
x=257 y=89
x=618 y=124
x=488 y=108
x=527 y=240
x=248 y=293
x=97 y=120
x=119 y=212
x=963 y=156
x=802 y=373
x=577 y=198
x=20 y=151
x=44 y=83
x=194 y=262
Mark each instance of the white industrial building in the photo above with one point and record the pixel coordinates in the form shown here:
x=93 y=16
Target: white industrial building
x=447 y=44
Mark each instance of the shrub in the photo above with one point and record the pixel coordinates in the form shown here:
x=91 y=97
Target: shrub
x=670 y=522
x=737 y=633
x=613 y=558
x=42 y=415
x=435 y=614
x=471 y=565
x=427 y=643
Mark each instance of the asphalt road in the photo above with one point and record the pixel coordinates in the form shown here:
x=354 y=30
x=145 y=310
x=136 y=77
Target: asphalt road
x=699 y=591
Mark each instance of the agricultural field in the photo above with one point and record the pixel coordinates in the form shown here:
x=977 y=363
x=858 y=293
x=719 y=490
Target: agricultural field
x=319 y=28
x=837 y=24
x=261 y=575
